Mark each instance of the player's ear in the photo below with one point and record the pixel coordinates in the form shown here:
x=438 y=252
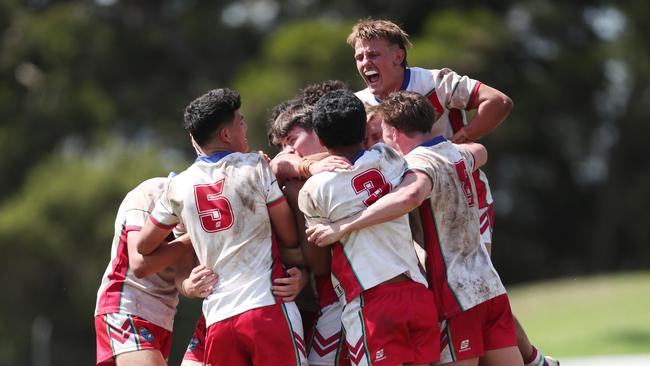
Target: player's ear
x=399 y=56
x=224 y=134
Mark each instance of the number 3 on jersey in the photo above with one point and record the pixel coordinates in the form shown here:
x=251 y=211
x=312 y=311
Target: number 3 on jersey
x=215 y=211
x=373 y=182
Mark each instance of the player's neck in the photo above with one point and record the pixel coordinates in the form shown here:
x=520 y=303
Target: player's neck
x=394 y=85
x=214 y=148
x=414 y=141
x=349 y=152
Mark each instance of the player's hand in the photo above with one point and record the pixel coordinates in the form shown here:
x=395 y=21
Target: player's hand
x=460 y=137
x=289 y=287
x=200 y=283
x=329 y=164
x=324 y=235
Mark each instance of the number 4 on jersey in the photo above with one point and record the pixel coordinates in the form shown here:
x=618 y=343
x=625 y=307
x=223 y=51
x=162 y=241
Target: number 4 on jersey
x=215 y=211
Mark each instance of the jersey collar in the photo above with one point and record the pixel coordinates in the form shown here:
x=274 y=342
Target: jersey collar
x=360 y=154
x=405 y=82
x=434 y=141
x=214 y=158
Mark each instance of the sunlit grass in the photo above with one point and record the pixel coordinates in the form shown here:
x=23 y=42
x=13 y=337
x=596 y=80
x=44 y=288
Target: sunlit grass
x=603 y=315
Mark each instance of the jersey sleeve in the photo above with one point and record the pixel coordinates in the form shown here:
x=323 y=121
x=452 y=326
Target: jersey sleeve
x=467 y=155
x=136 y=211
x=271 y=190
x=163 y=214
x=453 y=90
x=310 y=206
x=417 y=161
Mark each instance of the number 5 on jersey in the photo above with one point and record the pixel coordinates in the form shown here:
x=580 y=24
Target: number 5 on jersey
x=214 y=210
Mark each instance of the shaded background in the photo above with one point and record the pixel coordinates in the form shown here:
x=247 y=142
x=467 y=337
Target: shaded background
x=91 y=100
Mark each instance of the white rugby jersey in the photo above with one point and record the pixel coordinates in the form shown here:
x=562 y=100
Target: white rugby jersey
x=450 y=94
x=153 y=297
x=459 y=268
x=223 y=201
x=368 y=257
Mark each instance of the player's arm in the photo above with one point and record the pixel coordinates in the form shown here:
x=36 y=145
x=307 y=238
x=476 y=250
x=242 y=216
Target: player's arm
x=288 y=166
x=165 y=255
x=414 y=189
x=151 y=237
x=492 y=107
x=479 y=153
x=193 y=280
x=315 y=257
x=283 y=223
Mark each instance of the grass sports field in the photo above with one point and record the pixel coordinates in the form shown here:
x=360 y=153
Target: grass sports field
x=601 y=315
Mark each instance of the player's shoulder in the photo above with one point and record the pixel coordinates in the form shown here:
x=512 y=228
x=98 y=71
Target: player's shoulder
x=366 y=96
x=150 y=187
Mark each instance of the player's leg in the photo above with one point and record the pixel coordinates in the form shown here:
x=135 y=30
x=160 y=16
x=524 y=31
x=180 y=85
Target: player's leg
x=144 y=357
x=327 y=341
x=130 y=340
x=195 y=353
x=500 y=339
x=273 y=335
x=508 y=356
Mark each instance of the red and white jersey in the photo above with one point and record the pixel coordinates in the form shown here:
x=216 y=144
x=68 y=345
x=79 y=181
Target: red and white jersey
x=223 y=201
x=458 y=266
x=450 y=94
x=153 y=297
x=368 y=257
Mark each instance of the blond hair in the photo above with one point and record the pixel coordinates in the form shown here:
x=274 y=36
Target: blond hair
x=368 y=29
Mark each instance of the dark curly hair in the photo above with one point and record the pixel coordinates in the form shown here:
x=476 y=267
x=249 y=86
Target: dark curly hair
x=339 y=119
x=312 y=93
x=206 y=114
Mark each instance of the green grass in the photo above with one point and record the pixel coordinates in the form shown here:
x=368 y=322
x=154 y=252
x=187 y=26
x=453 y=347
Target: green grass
x=601 y=315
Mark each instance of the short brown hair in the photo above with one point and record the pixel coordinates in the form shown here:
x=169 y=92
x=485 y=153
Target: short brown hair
x=368 y=29
x=408 y=112
x=296 y=114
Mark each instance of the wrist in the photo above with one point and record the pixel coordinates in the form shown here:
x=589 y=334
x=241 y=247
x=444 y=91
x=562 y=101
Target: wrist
x=303 y=168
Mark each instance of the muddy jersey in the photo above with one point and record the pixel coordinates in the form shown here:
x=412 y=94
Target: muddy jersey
x=153 y=297
x=450 y=94
x=368 y=257
x=222 y=201
x=459 y=269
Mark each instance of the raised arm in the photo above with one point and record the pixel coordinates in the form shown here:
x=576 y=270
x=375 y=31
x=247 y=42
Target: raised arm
x=492 y=107
x=414 y=189
x=479 y=152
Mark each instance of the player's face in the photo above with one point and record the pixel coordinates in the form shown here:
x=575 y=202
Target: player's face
x=374 y=132
x=238 y=131
x=388 y=133
x=303 y=142
x=380 y=65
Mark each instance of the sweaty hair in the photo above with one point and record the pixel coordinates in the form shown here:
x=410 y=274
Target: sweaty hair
x=206 y=114
x=339 y=119
x=295 y=114
x=312 y=93
x=408 y=112
x=369 y=29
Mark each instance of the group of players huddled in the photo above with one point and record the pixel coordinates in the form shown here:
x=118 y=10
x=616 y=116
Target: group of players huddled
x=365 y=241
